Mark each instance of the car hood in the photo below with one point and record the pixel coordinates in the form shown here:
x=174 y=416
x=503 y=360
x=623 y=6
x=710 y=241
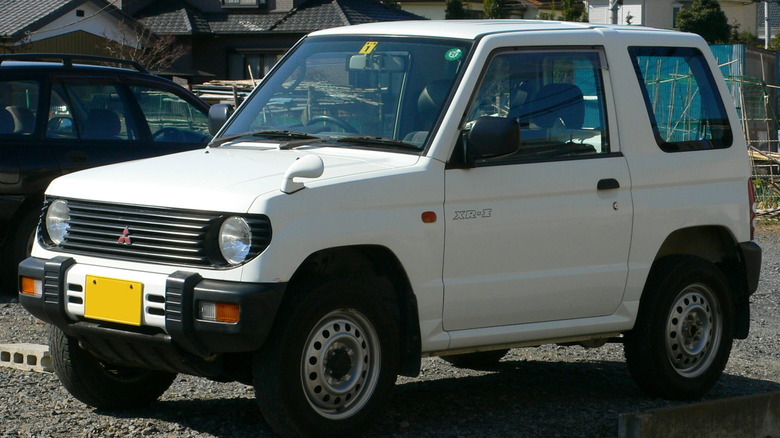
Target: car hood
x=219 y=179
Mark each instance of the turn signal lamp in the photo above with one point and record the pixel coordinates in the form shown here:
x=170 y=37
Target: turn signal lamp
x=31 y=286
x=219 y=312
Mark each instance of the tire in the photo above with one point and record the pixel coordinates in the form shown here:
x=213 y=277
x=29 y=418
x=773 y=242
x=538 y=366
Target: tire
x=331 y=361
x=478 y=361
x=683 y=334
x=100 y=385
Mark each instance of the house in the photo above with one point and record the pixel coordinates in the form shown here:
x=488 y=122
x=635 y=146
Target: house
x=225 y=39
x=528 y=9
x=663 y=13
x=239 y=39
x=62 y=26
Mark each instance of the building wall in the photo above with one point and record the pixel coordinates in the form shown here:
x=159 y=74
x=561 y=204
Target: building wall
x=661 y=13
x=435 y=10
x=95 y=21
x=79 y=42
x=743 y=13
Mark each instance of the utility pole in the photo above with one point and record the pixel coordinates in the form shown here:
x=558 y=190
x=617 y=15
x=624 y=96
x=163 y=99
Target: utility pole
x=613 y=8
x=767 y=31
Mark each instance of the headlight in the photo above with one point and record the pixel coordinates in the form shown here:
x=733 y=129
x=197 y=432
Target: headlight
x=235 y=239
x=57 y=221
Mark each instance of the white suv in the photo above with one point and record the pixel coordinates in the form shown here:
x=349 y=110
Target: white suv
x=398 y=190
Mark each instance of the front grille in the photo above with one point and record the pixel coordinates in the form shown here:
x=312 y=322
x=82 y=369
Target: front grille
x=151 y=234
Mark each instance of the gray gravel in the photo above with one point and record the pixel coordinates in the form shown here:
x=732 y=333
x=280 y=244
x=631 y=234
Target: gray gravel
x=539 y=392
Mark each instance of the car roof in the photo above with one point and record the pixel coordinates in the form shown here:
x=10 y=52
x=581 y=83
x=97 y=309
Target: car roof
x=472 y=29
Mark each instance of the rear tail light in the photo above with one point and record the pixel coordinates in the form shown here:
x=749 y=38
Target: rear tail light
x=753 y=208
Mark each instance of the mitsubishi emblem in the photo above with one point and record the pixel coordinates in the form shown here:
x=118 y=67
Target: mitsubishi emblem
x=125 y=237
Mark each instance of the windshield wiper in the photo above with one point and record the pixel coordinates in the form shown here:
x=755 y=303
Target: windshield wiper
x=269 y=134
x=363 y=139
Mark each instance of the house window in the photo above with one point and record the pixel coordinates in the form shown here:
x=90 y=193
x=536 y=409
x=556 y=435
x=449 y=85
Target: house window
x=675 y=12
x=240 y=64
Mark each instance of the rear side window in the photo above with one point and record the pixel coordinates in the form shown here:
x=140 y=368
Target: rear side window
x=684 y=105
x=90 y=111
x=18 y=107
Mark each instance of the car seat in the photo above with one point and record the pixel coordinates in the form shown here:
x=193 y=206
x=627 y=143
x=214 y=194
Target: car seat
x=102 y=124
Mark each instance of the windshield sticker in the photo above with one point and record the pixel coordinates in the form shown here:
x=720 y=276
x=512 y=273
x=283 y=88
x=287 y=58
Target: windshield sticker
x=452 y=54
x=369 y=47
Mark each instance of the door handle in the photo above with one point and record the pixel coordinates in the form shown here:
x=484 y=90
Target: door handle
x=608 y=184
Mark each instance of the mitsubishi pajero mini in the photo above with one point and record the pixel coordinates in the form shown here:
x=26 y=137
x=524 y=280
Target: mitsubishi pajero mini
x=393 y=191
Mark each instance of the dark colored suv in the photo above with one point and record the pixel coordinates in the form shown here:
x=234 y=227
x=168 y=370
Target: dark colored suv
x=57 y=117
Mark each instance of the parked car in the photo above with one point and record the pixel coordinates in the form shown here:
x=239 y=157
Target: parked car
x=398 y=190
x=57 y=116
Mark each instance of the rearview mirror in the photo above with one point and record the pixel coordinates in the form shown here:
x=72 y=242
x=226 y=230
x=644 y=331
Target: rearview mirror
x=380 y=62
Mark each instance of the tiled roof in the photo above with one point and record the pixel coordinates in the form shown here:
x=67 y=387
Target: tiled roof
x=244 y=23
x=18 y=16
x=173 y=17
x=181 y=17
x=774 y=15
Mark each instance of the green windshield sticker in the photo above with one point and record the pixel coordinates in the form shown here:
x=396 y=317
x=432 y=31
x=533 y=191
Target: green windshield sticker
x=453 y=54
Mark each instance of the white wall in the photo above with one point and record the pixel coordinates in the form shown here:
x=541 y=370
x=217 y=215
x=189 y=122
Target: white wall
x=96 y=21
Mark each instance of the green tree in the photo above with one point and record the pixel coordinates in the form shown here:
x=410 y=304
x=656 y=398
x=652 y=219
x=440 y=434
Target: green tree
x=495 y=8
x=774 y=43
x=570 y=11
x=455 y=10
x=743 y=37
x=706 y=18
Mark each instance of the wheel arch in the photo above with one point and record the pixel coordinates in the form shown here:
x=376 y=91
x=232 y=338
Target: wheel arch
x=362 y=262
x=717 y=245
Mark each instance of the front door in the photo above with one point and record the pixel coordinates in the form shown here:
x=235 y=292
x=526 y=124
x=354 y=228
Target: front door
x=542 y=234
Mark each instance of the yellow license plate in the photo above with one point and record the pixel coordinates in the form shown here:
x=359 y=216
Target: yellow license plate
x=109 y=299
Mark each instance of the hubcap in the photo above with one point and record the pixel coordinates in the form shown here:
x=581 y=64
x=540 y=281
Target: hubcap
x=340 y=364
x=693 y=330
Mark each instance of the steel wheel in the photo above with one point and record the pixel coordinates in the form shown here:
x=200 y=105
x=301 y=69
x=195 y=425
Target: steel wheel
x=682 y=337
x=331 y=362
x=340 y=365
x=694 y=328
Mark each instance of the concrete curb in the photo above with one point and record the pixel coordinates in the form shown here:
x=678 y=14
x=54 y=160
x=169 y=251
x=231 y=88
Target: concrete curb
x=752 y=416
x=26 y=357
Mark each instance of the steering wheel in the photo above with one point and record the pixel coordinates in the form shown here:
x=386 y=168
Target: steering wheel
x=169 y=135
x=332 y=120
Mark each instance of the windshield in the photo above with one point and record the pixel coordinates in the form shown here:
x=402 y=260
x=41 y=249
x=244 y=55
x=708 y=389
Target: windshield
x=358 y=92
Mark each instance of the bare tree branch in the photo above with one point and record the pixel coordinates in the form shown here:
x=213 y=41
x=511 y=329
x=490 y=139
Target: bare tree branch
x=156 y=53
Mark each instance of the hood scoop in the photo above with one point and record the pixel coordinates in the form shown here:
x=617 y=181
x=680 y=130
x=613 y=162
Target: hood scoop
x=309 y=166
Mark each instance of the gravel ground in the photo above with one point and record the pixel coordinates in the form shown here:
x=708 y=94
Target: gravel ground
x=538 y=392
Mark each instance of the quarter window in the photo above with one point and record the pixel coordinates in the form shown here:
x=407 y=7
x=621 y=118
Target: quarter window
x=557 y=97
x=686 y=110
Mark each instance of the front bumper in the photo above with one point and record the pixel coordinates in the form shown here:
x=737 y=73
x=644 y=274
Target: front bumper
x=183 y=331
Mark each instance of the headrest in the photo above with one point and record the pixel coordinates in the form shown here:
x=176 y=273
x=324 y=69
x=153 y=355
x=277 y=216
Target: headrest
x=24 y=119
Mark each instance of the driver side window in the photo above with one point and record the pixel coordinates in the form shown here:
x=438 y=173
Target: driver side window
x=557 y=98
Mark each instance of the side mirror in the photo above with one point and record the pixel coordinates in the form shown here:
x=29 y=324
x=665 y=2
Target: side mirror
x=218 y=115
x=491 y=137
